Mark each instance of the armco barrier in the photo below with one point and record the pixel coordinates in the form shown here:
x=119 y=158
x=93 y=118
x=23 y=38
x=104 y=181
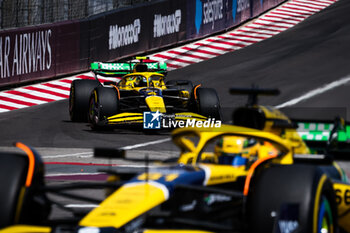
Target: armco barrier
x=51 y=50
x=39 y=52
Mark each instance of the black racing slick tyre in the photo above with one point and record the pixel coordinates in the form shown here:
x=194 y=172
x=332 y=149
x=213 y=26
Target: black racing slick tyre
x=79 y=96
x=291 y=198
x=104 y=102
x=12 y=177
x=21 y=203
x=180 y=85
x=208 y=103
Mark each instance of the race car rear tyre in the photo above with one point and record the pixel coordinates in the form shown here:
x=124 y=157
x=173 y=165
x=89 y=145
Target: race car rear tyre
x=104 y=102
x=291 y=198
x=208 y=103
x=186 y=85
x=19 y=202
x=79 y=97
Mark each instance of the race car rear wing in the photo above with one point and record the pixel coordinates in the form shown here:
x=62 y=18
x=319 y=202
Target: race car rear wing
x=123 y=68
x=321 y=131
x=332 y=137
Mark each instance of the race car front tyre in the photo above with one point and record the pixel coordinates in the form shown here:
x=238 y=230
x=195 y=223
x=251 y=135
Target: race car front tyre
x=20 y=203
x=104 y=102
x=12 y=178
x=79 y=96
x=291 y=198
x=208 y=103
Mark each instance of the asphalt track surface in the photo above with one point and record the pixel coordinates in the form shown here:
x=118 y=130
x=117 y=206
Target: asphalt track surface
x=303 y=58
x=308 y=56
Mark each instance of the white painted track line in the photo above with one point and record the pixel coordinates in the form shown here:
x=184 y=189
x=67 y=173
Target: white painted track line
x=315 y=92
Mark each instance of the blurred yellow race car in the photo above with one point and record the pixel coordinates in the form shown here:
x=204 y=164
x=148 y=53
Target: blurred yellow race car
x=228 y=179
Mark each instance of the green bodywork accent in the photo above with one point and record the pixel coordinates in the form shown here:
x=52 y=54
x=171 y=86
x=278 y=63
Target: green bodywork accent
x=321 y=132
x=123 y=68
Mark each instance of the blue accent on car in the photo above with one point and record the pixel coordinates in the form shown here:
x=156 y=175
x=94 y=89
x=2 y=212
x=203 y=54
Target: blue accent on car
x=321 y=213
x=186 y=175
x=232 y=160
x=199 y=15
x=154 y=91
x=234 y=10
x=239 y=160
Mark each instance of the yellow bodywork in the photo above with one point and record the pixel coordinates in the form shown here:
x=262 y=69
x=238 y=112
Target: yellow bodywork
x=155 y=103
x=134 y=199
x=150 y=79
x=148 y=82
x=342 y=192
x=272 y=114
x=26 y=229
x=126 y=204
x=126 y=117
x=190 y=151
x=223 y=173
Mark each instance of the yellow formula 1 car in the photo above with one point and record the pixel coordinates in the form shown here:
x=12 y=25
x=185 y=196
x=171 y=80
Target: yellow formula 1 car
x=228 y=179
x=141 y=97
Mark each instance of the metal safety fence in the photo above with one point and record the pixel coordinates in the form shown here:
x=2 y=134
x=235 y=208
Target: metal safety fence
x=67 y=40
x=20 y=13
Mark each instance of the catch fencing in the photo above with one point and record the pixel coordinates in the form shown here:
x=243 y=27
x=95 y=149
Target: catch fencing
x=20 y=13
x=54 y=49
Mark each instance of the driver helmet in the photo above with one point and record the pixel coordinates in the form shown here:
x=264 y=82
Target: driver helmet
x=137 y=81
x=140 y=82
x=234 y=150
